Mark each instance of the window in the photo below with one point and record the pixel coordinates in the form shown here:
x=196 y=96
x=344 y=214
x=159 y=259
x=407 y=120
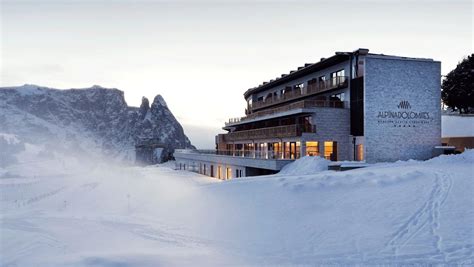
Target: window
x=337 y=77
x=330 y=150
x=338 y=73
x=298 y=150
x=228 y=174
x=338 y=97
x=277 y=150
x=219 y=172
x=312 y=148
x=360 y=152
x=212 y=170
x=286 y=150
x=321 y=78
x=299 y=88
x=294 y=153
x=204 y=170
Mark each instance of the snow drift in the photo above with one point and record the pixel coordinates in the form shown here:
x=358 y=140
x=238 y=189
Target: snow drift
x=306 y=165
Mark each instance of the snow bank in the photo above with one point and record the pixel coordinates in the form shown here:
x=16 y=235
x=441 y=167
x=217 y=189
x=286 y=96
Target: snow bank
x=306 y=165
x=466 y=157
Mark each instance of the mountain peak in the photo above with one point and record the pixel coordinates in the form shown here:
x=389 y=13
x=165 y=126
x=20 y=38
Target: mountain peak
x=159 y=100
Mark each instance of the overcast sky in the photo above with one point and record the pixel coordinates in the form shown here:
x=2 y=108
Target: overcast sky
x=201 y=56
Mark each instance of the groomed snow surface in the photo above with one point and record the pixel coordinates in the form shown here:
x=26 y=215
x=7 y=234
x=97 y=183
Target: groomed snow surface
x=61 y=212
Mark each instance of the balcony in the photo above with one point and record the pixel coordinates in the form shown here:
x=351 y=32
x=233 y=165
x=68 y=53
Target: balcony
x=253 y=154
x=311 y=89
x=270 y=132
x=255 y=159
x=297 y=105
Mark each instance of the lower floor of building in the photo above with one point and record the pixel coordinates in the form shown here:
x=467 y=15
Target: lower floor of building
x=333 y=149
x=238 y=159
x=221 y=171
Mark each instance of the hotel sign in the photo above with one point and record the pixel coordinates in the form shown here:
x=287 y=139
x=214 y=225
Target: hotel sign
x=403 y=116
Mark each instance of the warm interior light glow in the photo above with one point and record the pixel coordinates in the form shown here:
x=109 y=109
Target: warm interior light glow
x=312 y=148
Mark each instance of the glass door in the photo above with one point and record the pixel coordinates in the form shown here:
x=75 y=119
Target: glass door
x=292 y=150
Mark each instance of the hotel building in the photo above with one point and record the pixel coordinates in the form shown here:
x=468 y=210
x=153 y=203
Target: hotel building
x=352 y=106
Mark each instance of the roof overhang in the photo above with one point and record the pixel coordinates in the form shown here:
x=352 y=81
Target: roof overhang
x=337 y=58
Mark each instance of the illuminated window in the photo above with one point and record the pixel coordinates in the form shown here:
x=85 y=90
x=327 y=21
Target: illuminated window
x=360 y=152
x=228 y=173
x=274 y=150
x=312 y=148
x=219 y=171
x=298 y=150
x=330 y=150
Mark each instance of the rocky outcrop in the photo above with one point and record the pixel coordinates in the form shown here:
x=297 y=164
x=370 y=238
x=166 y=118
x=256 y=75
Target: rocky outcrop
x=93 y=119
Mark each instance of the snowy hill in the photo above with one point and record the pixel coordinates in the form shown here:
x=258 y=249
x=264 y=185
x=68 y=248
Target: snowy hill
x=93 y=120
x=97 y=214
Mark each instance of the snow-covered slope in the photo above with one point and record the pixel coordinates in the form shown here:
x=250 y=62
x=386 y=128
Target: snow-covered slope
x=96 y=214
x=93 y=120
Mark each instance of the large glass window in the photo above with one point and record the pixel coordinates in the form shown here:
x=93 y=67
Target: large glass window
x=276 y=150
x=286 y=149
x=330 y=150
x=228 y=173
x=293 y=150
x=312 y=148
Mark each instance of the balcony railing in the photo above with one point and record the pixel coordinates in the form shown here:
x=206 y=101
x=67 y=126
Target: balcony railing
x=297 y=105
x=317 y=87
x=270 y=132
x=255 y=154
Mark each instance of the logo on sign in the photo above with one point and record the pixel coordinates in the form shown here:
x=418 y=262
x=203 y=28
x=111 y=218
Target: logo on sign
x=404 y=105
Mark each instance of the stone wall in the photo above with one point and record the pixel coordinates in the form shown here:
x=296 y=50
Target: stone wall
x=402 y=115
x=333 y=124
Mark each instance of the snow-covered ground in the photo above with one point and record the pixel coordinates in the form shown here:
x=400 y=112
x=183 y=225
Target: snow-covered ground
x=64 y=212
